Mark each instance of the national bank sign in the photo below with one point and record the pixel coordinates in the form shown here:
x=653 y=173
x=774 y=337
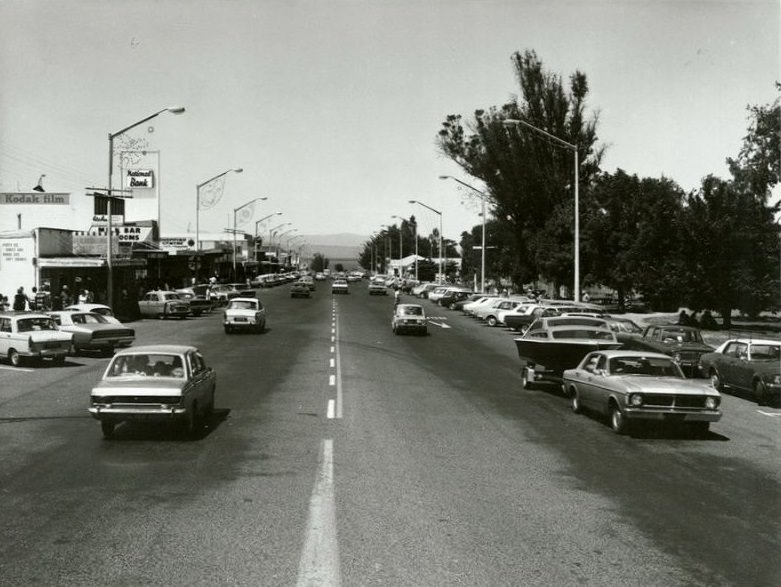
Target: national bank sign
x=34 y=198
x=139 y=178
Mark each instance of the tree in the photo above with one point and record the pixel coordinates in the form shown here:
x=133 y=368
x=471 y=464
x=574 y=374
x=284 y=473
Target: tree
x=319 y=263
x=529 y=177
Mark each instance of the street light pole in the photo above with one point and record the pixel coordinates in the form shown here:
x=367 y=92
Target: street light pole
x=198 y=212
x=401 y=246
x=442 y=275
x=510 y=122
x=482 y=247
x=110 y=195
x=256 y=230
x=235 y=210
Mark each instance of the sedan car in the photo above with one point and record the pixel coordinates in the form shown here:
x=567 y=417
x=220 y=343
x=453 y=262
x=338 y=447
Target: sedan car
x=629 y=386
x=745 y=364
x=93 y=332
x=244 y=314
x=32 y=336
x=300 y=289
x=101 y=309
x=683 y=343
x=409 y=318
x=163 y=304
x=164 y=383
x=340 y=286
x=377 y=288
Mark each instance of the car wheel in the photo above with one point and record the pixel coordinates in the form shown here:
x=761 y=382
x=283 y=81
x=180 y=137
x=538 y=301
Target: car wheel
x=575 y=404
x=526 y=383
x=192 y=422
x=699 y=429
x=617 y=420
x=760 y=393
x=59 y=359
x=227 y=330
x=161 y=316
x=715 y=381
x=491 y=320
x=107 y=427
x=15 y=358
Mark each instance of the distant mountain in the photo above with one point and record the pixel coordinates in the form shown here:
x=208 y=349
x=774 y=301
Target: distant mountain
x=338 y=248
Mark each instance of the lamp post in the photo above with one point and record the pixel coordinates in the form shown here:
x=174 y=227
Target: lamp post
x=401 y=245
x=274 y=231
x=235 y=210
x=198 y=211
x=109 y=195
x=482 y=247
x=279 y=237
x=256 y=229
x=440 y=231
x=514 y=123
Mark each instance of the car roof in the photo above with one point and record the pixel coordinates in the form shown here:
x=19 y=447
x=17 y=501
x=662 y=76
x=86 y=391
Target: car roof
x=409 y=306
x=637 y=354
x=243 y=299
x=157 y=348
x=24 y=313
x=753 y=341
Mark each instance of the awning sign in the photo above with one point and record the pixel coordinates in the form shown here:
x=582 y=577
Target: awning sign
x=35 y=198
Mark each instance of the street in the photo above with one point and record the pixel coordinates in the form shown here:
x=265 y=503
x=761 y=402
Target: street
x=340 y=454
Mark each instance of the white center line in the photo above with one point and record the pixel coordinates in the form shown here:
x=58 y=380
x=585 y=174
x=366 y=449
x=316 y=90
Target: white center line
x=319 y=563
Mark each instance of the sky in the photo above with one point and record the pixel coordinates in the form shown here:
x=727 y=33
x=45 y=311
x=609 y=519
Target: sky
x=332 y=107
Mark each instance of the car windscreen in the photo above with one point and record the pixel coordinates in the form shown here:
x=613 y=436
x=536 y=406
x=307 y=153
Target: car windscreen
x=146 y=365
x=33 y=324
x=242 y=305
x=411 y=311
x=582 y=333
x=654 y=366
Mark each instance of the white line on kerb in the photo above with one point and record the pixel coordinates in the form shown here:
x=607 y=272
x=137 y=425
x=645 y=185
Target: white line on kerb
x=319 y=563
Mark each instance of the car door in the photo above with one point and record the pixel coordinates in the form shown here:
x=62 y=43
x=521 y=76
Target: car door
x=727 y=362
x=5 y=335
x=741 y=372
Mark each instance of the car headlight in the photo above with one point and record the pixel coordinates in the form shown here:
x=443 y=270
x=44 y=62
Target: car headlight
x=635 y=400
x=711 y=402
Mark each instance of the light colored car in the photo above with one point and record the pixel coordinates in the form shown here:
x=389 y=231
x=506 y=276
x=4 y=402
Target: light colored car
x=470 y=308
x=101 y=309
x=377 y=287
x=163 y=304
x=437 y=293
x=198 y=297
x=409 y=318
x=340 y=286
x=30 y=336
x=244 y=314
x=93 y=332
x=629 y=386
x=165 y=383
x=489 y=312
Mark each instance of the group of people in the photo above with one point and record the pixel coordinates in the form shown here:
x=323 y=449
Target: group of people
x=41 y=300
x=706 y=321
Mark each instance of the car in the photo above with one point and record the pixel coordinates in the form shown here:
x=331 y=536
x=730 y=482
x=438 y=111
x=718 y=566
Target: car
x=632 y=386
x=340 y=286
x=244 y=314
x=683 y=343
x=745 y=364
x=159 y=383
x=93 y=332
x=453 y=296
x=163 y=304
x=470 y=308
x=377 y=287
x=320 y=276
x=198 y=297
x=101 y=309
x=434 y=295
x=490 y=312
x=409 y=318
x=309 y=281
x=32 y=336
x=300 y=289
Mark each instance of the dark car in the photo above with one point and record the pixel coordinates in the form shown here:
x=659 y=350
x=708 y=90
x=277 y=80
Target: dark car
x=683 y=343
x=300 y=289
x=451 y=298
x=744 y=364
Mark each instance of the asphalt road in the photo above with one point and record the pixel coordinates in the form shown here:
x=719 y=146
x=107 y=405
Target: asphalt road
x=341 y=454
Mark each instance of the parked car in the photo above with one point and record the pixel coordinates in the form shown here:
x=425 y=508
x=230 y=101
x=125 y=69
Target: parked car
x=683 y=343
x=470 y=308
x=164 y=383
x=93 y=332
x=459 y=305
x=490 y=312
x=31 y=336
x=628 y=386
x=199 y=298
x=244 y=314
x=101 y=309
x=745 y=364
x=300 y=289
x=409 y=318
x=163 y=304
x=340 y=286
x=377 y=287
x=452 y=296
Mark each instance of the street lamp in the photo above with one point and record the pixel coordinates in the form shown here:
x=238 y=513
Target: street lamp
x=482 y=247
x=109 y=195
x=235 y=210
x=442 y=275
x=198 y=210
x=510 y=122
x=256 y=230
x=273 y=231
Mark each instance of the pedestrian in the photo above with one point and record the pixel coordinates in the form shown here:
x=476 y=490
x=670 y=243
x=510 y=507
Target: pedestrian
x=83 y=296
x=396 y=297
x=21 y=301
x=65 y=297
x=42 y=299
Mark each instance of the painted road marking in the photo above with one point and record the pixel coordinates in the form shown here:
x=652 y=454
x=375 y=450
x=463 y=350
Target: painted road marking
x=771 y=414
x=332 y=380
x=22 y=369
x=331 y=409
x=440 y=324
x=319 y=563
x=332 y=364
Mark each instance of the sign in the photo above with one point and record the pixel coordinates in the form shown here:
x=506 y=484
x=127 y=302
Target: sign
x=177 y=243
x=14 y=252
x=139 y=178
x=35 y=198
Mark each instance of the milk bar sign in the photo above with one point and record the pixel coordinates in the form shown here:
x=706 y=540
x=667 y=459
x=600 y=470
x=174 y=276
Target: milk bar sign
x=140 y=178
x=36 y=198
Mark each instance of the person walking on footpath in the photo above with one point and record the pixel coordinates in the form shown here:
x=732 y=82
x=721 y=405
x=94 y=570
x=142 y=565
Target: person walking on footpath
x=65 y=297
x=21 y=301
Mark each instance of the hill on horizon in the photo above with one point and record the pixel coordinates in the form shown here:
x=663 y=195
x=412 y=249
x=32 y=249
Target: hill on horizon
x=337 y=248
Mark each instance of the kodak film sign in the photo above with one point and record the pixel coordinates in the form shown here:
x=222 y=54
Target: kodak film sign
x=34 y=198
